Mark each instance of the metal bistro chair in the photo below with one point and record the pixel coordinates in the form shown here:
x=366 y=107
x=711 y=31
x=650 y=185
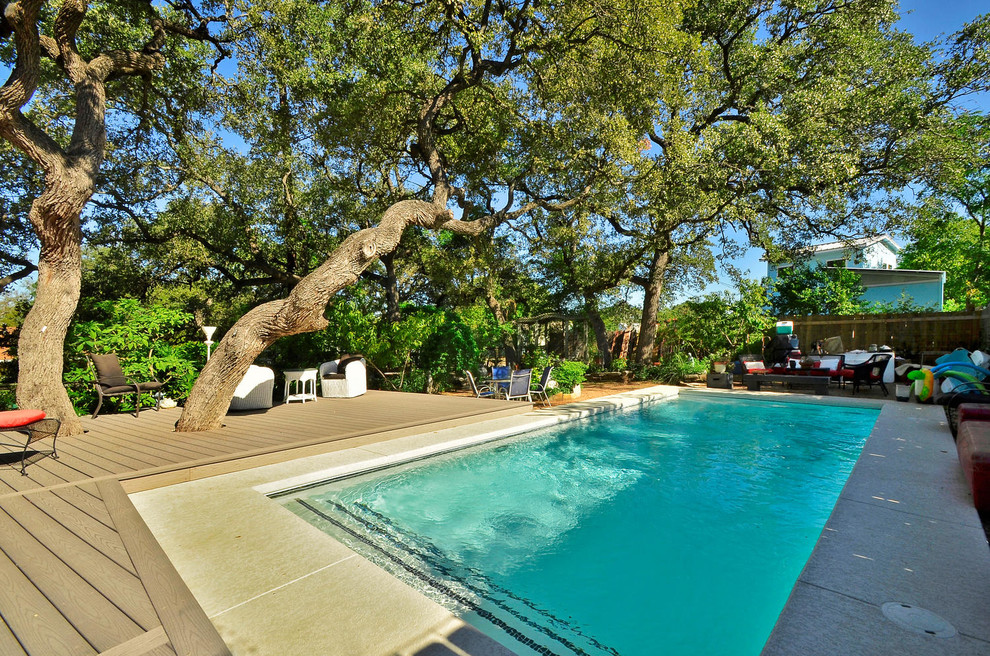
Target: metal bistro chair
x=483 y=392
x=540 y=389
x=519 y=385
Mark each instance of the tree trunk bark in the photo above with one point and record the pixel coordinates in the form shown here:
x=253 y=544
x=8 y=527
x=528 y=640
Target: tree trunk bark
x=392 y=314
x=55 y=215
x=302 y=311
x=651 y=306
x=598 y=325
x=508 y=345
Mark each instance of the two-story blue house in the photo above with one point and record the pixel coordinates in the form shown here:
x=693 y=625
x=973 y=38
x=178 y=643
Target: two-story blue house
x=875 y=260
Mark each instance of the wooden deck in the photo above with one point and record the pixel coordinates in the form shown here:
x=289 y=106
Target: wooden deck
x=80 y=573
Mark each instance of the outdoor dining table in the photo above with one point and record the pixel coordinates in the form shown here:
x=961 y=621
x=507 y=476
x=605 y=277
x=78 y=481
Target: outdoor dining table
x=500 y=385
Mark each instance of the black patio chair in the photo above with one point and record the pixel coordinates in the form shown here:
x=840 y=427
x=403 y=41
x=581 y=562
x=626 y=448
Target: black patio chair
x=870 y=372
x=111 y=381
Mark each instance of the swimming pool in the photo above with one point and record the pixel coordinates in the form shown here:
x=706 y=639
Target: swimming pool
x=676 y=529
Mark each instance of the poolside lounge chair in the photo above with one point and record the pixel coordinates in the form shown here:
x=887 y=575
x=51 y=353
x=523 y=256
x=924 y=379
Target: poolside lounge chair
x=344 y=378
x=35 y=426
x=752 y=364
x=540 y=389
x=519 y=385
x=483 y=392
x=111 y=381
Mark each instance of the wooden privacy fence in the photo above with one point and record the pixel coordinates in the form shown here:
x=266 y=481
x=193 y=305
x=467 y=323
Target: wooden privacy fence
x=911 y=335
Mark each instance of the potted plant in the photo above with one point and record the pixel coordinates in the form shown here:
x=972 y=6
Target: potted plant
x=569 y=376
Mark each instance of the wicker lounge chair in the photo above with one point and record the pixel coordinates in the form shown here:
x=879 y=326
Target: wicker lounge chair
x=111 y=381
x=255 y=390
x=344 y=378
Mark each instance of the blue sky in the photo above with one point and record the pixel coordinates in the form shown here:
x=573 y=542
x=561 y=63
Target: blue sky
x=926 y=20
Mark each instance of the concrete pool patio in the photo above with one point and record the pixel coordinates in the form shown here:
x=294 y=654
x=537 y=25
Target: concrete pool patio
x=84 y=574
x=903 y=531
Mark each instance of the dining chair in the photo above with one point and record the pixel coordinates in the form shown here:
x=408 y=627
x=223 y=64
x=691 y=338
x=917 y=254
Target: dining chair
x=540 y=389
x=519 y=385
x=482 y=392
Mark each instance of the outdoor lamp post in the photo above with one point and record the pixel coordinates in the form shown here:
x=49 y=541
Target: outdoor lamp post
x=208 y=331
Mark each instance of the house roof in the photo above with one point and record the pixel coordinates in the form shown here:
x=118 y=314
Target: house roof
x=858 y=243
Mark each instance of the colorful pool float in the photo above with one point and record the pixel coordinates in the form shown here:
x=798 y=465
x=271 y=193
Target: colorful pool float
x=926 y=380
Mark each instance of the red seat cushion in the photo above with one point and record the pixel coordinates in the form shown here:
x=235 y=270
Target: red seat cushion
x=844 y=373
x=973 y=444
x=973 y=412
x=18 y=418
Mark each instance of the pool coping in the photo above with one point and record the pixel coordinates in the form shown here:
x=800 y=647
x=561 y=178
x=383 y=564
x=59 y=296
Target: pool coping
x=272 y=583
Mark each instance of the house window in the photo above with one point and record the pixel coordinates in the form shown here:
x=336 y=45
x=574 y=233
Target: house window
x=835 y=263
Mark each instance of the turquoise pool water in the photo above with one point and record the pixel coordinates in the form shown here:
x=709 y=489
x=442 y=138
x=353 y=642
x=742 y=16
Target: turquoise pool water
x=676 y=529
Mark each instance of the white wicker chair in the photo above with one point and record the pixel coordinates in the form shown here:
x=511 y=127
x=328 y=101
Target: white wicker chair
x=352 y=381
x=255 y=390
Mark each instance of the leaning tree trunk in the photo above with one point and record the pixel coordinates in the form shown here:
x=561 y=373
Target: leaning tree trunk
x=302 y=311
x=651 y=306
x=55 y=215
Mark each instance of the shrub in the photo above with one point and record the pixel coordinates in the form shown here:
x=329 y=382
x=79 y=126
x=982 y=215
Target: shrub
x=7 y=400
x=620 y=364
x=152 y=341
x=448 y=351
x=569 y=375
x=676 y=367
x=649 y=372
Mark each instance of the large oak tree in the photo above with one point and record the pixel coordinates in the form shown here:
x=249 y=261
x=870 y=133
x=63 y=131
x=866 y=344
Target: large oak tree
x=68 y=61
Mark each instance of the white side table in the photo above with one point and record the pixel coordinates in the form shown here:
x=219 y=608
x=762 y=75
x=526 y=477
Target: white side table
x=304 y=383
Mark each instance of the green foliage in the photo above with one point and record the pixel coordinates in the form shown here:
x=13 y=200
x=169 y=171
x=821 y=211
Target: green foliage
x=448 y=351
x=568 y=375
x=620 y=364
x=720 y=324
x=7 y=400
x=943 y=240
x=903 y=305
x=151 y=341
x=802 y=290
x=427 y=347
x=676 y=367
x=648 y=372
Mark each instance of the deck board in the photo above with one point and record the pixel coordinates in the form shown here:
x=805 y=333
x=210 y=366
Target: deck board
x=98 y=620
x=39 y=626
x=79 y=571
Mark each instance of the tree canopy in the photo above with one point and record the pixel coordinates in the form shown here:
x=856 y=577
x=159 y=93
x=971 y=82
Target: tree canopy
x=251 y=162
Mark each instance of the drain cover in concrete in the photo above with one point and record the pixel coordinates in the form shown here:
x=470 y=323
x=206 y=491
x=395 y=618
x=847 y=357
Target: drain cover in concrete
x=917 y=619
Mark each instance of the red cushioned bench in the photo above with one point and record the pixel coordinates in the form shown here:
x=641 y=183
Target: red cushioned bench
x=973 y=445
x=34 y=425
